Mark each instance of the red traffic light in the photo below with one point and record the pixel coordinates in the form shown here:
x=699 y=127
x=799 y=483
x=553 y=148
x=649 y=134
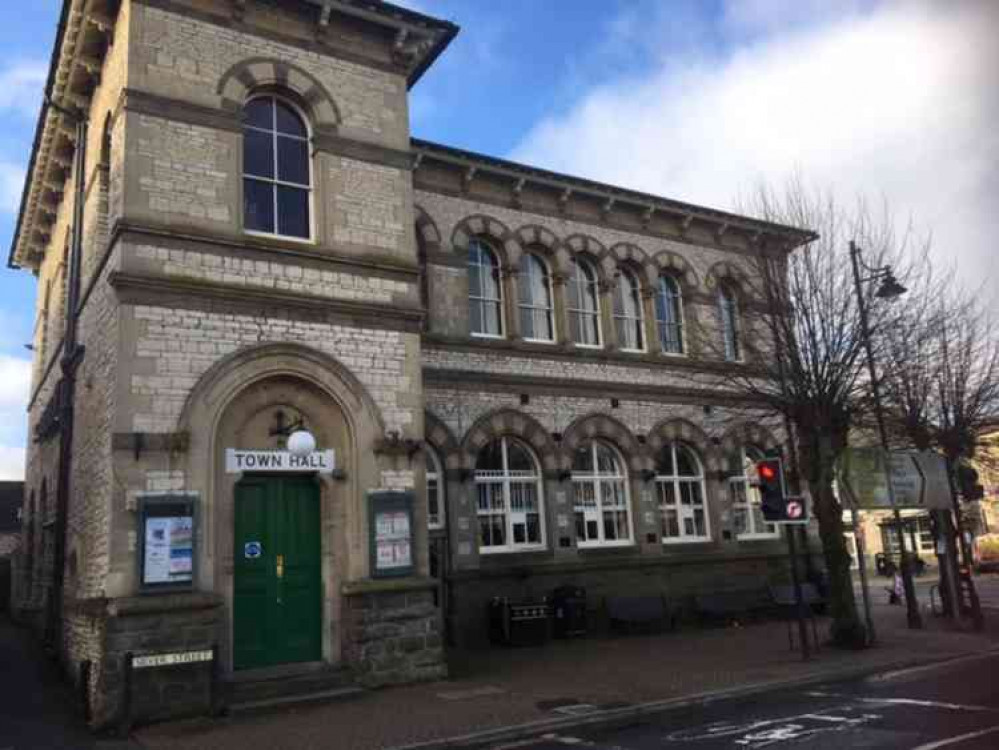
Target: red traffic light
x=766 y=470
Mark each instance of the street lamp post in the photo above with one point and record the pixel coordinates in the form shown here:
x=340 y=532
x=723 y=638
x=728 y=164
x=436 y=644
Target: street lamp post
x=889 y=289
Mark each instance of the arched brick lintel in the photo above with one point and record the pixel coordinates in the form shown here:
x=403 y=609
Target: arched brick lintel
x=510 y=422
x=247 y=76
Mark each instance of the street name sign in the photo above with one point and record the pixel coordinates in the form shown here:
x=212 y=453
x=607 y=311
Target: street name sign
x=169 y=660
x=919 y=479
x=237 y=461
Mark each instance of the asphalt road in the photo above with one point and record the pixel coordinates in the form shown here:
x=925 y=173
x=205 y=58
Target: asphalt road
x=953 y=706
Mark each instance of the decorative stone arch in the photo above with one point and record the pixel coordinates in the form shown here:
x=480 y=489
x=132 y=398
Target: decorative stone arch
x=514 y=423
x=727 y=272
x=746 y=434
x=255 y=73
x=428 y=236
x=674 y=264
x=683 y=431
x=442 y=440
x=536 y=238
x=602 y=427
x=591 y=250
x=503 y=242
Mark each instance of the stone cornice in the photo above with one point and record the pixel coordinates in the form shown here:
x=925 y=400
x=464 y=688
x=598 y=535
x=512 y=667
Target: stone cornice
x=613 y=201
x=152 y=289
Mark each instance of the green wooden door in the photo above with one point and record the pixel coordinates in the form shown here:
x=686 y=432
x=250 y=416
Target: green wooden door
x=277 y=603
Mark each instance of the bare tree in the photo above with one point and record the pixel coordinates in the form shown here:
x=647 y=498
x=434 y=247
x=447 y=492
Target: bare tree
x=809 y=364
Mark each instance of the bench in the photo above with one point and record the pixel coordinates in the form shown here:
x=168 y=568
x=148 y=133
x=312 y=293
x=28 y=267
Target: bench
x=731 y=605
x=639 y=612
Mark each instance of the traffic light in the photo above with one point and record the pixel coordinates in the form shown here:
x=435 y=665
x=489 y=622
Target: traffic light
x=770 y=482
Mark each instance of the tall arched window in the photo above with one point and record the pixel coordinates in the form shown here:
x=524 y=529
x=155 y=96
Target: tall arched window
x=436 y=517
x=535 y=287
x=277 y=173
x=669 y=315
x=584 y=308
x=485 y=300
x=745 y=498
x=600 y=496
x=680 y=488
x=628 y=313
x=509 y=501
x=728 y=309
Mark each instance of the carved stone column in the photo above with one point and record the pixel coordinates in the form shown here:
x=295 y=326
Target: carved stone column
x=560 y=295
x=649 y=321
x=606 y=302
x=509 y=276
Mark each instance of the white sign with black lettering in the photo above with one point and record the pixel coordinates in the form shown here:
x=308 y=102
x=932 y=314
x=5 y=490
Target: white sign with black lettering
x=320 y=462
x=169 y=660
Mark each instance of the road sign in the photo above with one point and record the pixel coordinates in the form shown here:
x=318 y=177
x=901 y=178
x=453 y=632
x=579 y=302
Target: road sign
x=919 y=479
x=795 y=510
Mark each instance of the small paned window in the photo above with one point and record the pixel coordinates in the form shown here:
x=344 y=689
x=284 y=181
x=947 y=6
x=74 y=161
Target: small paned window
x=628 y=313
x=508 y=498
x=276 y=170
x=435 y=490
x=535 y=303
x=669 y=315
x=600 y=496
x=680 y=490
x=745 y=498
x=729 y=311
x=485 y=301
x=584 y=308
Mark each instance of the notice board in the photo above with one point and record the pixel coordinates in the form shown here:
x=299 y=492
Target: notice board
x=390 y=524
x=166 y=538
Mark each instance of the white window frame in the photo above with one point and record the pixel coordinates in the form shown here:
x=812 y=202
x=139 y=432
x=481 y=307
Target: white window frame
x=435 y=486
x=310 y=191
x=740 y=487
x=677 y=482
x=584 y=287
x=534 y=309
x=592 y=484
x=728 y=309
x=622 y=317
x=674 y=299
x=506 y=480
x=476 y=299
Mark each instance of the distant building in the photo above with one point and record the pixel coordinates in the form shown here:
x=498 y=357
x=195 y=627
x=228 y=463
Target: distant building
x=534 y=358
x=11 y=498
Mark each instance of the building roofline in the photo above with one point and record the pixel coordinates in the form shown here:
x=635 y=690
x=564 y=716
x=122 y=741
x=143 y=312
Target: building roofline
x=607 y=191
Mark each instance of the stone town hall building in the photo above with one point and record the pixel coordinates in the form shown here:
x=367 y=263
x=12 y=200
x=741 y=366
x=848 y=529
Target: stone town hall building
x=257 y=245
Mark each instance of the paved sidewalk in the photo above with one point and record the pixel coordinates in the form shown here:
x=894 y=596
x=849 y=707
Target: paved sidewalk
x=503 y=687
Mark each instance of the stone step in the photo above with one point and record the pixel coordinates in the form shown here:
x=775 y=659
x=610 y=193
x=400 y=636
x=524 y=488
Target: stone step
x=285 y=688
x=294 y=700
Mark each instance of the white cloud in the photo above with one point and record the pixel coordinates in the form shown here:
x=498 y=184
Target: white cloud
x=21 y=86
x=11 y=185
x=899 y=101
x=15 y=383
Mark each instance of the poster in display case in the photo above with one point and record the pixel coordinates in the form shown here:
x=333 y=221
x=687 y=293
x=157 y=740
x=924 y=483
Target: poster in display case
x=391 y=533
x=166 y=542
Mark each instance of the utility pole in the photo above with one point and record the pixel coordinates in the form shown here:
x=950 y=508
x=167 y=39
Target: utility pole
x=889 y=288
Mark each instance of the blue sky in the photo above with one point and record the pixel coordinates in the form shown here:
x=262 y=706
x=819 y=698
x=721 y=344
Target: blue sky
x=696 y=100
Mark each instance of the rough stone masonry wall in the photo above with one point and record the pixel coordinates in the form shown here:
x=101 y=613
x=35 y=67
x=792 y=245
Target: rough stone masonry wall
x=185 y=58
x=394 y=637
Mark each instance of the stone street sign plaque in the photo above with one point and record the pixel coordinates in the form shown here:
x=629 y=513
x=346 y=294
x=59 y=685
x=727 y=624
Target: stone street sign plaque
x=169 y=660
x=238 y=461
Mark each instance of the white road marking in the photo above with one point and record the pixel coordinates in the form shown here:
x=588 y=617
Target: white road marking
x=901 y=702
x=956 y=739
x=895 y=674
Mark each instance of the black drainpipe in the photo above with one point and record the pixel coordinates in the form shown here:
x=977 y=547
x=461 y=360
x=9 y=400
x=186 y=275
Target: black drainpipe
x=72 y=354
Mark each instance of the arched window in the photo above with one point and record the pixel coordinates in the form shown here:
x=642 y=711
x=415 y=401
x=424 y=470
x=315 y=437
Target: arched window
x=729 y=311
x=535 y=287
x=509 y=502
x=669 y=315
x=745 y=497
x=485 y=301
x=628 y=313
x=680 y=488
x=600 y=496
x=584 y=309
x=277 y=173
x=436 y=517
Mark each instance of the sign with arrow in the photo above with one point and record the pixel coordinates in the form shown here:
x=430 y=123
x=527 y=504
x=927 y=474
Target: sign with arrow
x=919 y=479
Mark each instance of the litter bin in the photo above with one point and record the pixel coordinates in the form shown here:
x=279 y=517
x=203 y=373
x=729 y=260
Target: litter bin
x=521 y=623
x=569 y=611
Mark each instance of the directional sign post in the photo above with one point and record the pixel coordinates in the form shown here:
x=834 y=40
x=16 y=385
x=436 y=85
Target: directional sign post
x=918 y=478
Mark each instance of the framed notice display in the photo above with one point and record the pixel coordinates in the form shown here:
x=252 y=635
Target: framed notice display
x=390 y=516
x=166 y=542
